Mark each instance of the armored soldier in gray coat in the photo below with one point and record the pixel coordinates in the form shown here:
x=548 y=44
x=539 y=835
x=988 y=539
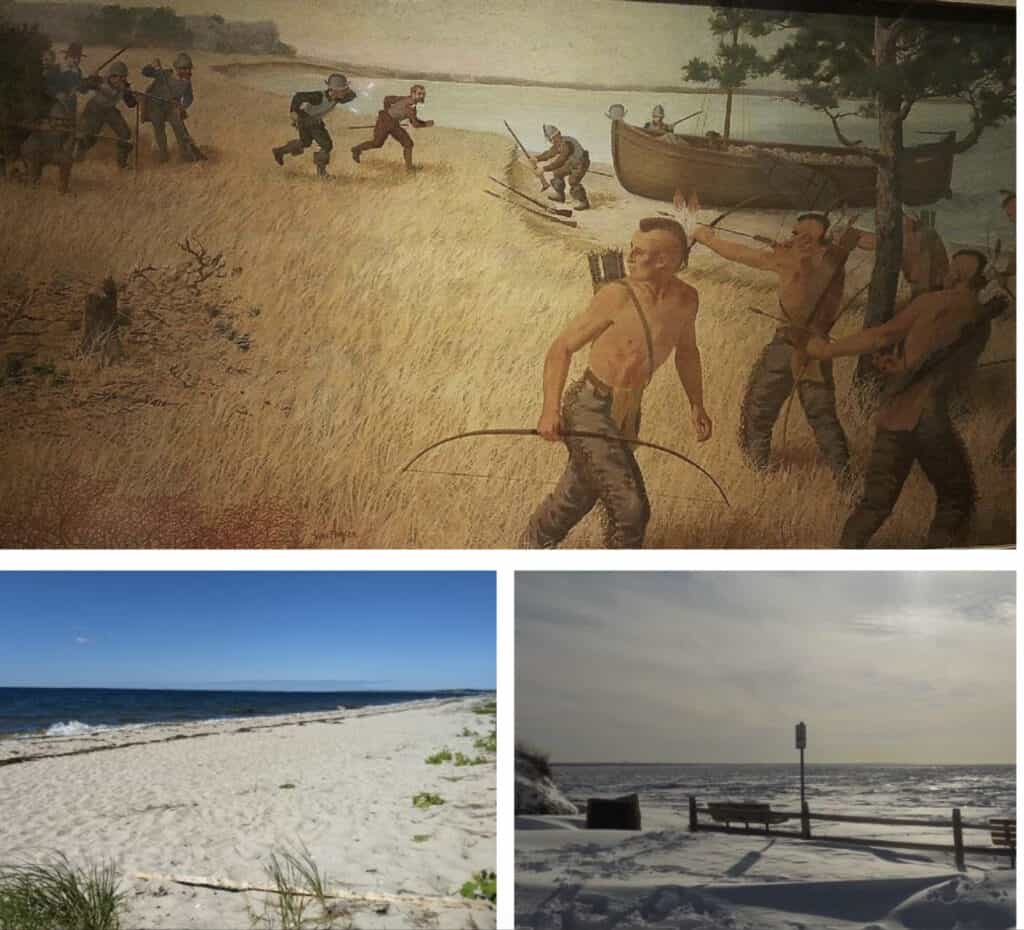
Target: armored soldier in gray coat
x=567 y=161
x=167 y=100
x=308 y=110
x=101 y=110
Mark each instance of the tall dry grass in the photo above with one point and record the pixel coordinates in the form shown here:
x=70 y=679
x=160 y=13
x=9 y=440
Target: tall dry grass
x=385 y=311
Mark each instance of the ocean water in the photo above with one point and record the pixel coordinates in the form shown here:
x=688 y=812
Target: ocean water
x=910 y=791
x=971 y=215
x=74 y=711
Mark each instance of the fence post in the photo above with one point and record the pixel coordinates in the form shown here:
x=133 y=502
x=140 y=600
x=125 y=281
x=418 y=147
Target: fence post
x=958 y=840
x=693 y=814
x=805 y=821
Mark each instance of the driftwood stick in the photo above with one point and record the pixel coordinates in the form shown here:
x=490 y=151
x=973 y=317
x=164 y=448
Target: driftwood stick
x=369 y=898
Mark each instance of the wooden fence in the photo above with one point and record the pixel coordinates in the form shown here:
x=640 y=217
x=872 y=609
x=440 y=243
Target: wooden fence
x=956 y=823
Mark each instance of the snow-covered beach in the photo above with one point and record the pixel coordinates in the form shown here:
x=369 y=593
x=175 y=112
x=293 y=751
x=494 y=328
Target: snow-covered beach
x=214 y=799
x=665 y=876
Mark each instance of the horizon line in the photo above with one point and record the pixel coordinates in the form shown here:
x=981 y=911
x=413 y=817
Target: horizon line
x=788 y=762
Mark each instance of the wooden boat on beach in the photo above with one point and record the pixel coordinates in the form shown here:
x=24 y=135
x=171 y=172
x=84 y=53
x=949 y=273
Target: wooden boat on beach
x=786 y=175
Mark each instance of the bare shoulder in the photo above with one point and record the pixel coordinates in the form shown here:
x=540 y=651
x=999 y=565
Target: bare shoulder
x=684 y=297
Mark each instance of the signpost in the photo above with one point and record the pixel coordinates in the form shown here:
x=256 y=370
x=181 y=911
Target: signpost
x=801 y=744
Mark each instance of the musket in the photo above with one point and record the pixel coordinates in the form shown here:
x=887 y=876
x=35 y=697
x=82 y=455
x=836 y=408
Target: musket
x=540 y=203
x=685 y=118
x=110 y=59
x=537 y=170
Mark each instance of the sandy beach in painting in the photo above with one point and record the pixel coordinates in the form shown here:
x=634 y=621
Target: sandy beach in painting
x=215 y=799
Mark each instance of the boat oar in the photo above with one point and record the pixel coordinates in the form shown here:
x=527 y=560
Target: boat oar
x=545 y=216
x=540 y=203
x=603 y=174
x=685 y=118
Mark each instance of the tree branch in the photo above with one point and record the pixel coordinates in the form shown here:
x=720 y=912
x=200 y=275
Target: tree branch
x=840 y=135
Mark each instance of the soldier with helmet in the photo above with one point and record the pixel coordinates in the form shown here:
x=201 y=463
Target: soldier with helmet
x=101 y=110
x=167 y=100
x=389 y=123
x=568 y=162
x=308 y=110
x=656 y=124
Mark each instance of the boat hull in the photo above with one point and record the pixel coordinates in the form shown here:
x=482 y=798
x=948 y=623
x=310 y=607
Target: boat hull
x=652 y=167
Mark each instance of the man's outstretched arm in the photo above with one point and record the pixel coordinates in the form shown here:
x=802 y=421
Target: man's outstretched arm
x=869 y=340
x=579 y=332
x=688 y=367
x=762 y=259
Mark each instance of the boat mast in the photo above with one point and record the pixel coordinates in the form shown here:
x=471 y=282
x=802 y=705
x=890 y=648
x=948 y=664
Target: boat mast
x=728 y=89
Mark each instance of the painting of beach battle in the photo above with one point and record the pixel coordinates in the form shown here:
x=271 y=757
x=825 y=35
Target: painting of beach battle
x=765 y=751
x=248 y=751
x=603 y=273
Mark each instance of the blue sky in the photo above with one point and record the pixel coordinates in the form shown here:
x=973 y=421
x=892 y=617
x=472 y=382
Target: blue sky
x=911 y=667
x=290 y=630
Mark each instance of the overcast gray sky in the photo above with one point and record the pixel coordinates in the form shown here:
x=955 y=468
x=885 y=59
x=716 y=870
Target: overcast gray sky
x=910 y=667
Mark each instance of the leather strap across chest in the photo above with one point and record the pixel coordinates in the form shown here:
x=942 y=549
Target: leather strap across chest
x=647 y=327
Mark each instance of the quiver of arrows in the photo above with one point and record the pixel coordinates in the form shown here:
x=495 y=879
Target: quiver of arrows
x=605 y=266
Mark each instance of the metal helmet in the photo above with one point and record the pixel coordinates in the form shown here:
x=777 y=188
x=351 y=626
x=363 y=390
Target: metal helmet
x=119 y=69
x=616 y=111
x=550 y=132
x=658 y=110
x=337 y=82
x=182 y=60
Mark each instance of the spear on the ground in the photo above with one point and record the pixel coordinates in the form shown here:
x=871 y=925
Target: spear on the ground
x=539 y=203
x=543 y=216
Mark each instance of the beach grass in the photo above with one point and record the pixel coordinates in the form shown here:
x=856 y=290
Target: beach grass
x=540 y=760
x=436 y=758
x=487 y=743
x=380 y=312
x=300 y=900
x=59 y=896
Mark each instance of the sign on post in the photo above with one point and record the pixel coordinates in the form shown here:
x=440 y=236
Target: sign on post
x=801 y=735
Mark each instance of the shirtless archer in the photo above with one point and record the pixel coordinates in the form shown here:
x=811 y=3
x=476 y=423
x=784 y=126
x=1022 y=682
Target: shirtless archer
x=632 y=326
x=934 y=333
x=810 y=270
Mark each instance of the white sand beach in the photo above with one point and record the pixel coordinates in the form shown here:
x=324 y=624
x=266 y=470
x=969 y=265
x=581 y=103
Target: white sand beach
x=664 y=876
x=215 y=799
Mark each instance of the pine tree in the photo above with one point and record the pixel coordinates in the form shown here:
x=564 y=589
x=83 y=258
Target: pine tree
x=888 y=64
x=735 y=62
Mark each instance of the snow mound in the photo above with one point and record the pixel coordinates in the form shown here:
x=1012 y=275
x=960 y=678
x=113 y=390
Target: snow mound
x=536 y=793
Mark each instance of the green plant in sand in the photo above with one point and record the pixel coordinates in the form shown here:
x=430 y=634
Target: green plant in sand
x=58 y=896
x=300 y=897
x=425 y=799
x=442 y=755
x=483 y=884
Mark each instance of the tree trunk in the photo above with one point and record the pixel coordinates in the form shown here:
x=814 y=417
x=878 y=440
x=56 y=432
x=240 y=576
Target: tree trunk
x=728 y=114
x=888 y=206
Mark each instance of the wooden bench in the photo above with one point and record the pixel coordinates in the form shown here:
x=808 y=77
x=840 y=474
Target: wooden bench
x=746 y=813
x=1004 y=833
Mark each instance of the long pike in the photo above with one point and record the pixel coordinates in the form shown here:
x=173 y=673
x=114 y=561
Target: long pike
x=543 y=216
x=537 y=170
x=540 y=203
